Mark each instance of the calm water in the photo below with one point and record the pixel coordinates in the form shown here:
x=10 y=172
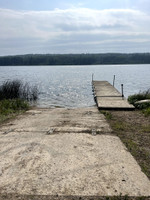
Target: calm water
x=70 y=86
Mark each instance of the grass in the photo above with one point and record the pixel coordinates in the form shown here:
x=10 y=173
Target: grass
x=11 y=107
x=107 y=114
x=119 y=126
x=145 y=129
x=15 y=97
x=146 y=112
x=16 y=89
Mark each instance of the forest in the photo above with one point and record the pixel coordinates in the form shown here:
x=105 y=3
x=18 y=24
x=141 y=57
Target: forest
x=75 y=59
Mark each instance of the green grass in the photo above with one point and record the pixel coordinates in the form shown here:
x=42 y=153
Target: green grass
x=107 y=114
x=14 y=98
x=145 y=129
x=10 y=107
x=119 y=126
x=146 y=112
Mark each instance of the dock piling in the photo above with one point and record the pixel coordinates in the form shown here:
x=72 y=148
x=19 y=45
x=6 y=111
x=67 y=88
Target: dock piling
x=122 y=91
x=114 y=81
x=92 y=77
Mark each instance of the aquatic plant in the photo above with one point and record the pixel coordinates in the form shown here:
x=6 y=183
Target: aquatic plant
x=16 y=89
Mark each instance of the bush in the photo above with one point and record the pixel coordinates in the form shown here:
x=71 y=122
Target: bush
x=17 y=90
x=142 y=106
x=138 y=97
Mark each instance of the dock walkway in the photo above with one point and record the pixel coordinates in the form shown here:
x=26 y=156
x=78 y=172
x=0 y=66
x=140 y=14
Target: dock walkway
x=108 y=97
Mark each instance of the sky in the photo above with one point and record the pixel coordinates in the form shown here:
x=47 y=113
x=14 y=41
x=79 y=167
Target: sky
x=74 y=26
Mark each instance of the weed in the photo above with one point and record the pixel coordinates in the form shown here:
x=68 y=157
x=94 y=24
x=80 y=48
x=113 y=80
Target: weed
x=10 y=107
x=120 y=126
x=146 y=112
x=145 y=168
x=131 y=145
x=107 y=114
x=146 y=129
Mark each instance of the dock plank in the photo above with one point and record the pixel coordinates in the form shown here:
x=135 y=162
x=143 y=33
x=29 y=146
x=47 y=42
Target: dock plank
x=108 y=97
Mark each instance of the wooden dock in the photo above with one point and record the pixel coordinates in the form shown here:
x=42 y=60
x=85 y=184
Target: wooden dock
x=108 y=97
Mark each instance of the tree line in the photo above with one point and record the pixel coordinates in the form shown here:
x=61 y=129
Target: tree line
x=75 y=59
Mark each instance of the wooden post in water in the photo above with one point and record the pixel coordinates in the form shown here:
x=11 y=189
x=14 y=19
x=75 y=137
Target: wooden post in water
x=92 y=77
x=114 y=81
x=122 y=91
x=92 y=83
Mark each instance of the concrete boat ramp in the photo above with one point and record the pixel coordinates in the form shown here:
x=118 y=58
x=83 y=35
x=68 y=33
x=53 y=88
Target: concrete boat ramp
x=66 y=152
x=108 y=97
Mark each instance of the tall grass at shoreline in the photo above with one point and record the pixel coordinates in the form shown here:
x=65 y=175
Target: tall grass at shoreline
x=15 y=97
x=18 y=90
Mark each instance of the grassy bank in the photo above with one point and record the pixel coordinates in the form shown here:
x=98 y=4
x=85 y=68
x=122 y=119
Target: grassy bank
x=15 y=98
x=9 y=108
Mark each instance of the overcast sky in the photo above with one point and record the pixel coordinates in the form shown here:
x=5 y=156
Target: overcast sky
x=74 y=26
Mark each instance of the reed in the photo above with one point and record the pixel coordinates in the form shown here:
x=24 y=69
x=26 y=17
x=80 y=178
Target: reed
x=16 y=89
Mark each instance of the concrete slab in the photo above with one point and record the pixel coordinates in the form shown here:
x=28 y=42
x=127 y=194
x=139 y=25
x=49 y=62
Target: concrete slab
x=61 y=120
x=113 y=103
x=67 y=163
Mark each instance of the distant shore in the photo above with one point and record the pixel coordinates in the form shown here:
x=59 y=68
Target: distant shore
x=75 y=59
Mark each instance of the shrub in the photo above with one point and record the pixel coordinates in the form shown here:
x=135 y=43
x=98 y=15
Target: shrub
x=142 y=106
x=141 y=96
x=17 y=90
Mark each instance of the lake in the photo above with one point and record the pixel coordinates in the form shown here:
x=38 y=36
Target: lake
x=70 y=86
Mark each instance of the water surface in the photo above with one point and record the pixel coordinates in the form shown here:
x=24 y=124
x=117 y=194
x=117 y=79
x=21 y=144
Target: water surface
x=70 y=86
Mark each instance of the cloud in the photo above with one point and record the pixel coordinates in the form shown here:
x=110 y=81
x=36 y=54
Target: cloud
x=143 y=5
x=72 y=30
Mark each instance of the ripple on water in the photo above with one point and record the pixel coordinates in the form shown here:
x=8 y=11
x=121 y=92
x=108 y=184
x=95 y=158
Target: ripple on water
x=70 y=86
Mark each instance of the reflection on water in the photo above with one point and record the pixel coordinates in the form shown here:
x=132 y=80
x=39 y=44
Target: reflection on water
x=70 y=86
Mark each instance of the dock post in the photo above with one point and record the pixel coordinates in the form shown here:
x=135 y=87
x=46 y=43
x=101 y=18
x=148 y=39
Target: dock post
x=114 y=81
x=92 y=77
x=92 y=83
x=122 y=91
